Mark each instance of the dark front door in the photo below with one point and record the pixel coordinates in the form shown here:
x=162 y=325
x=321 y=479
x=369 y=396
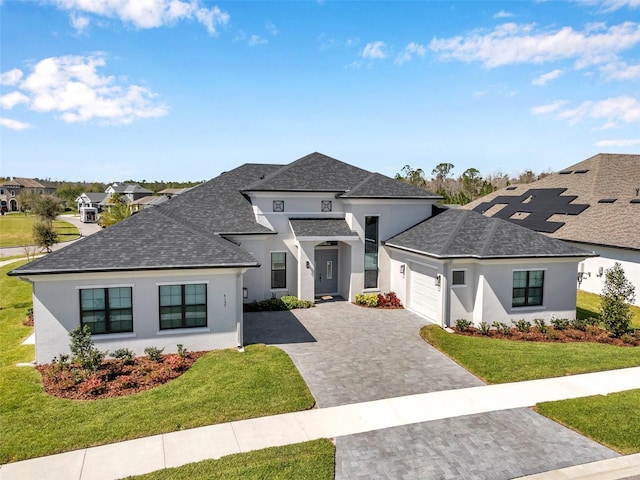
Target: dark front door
x=326 y=272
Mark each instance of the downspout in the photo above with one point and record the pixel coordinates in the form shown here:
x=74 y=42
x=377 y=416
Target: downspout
x=446 y=297
x=239 y=311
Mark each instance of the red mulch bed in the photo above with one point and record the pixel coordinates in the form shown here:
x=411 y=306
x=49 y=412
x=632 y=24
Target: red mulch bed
x=569 y=335
x=115 y=378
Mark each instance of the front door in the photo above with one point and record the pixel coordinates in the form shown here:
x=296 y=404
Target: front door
x=326 y=272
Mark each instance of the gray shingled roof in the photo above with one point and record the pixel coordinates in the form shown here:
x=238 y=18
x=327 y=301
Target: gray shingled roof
x=146 y=241
x=321 y=227
x=459 y=233
x=96 y=197
x=320 y=173
x=129 y=188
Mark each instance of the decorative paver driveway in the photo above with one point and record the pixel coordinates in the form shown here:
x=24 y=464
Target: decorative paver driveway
x=349 y=354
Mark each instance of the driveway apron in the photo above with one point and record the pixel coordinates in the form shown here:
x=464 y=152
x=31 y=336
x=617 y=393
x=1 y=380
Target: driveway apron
x=349 y=354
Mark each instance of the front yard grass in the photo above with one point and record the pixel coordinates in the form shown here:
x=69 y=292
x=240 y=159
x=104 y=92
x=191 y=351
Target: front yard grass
x=501 y=361
x=17 y=230
x=315 y=459
x=589 y=306
x=222 y=386
x=612 y=420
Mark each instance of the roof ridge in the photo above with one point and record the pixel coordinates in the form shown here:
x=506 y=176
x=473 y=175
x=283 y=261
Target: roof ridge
x=362 y=182
x=456 y=229
x=283 y=168
x=492 y=233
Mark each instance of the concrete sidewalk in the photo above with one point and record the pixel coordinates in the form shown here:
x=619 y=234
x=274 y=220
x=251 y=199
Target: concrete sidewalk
x=178 y=448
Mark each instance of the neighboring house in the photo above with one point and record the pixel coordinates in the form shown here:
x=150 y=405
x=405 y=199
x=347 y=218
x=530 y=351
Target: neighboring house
x=148 y=201
x=91 y=200
x=180 y=272
x=594 y=205
x=10 y=191
x=170 y=192
x=131 y=192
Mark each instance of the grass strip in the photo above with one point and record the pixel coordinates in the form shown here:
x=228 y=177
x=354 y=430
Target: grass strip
x=612 y=420
x=17 y=230
x=302 y=461
x=589 y=306
x=501 y=361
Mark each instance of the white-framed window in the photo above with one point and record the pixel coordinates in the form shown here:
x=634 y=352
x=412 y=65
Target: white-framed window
x=458 y=277
x=278 y=270
x=106 y=309
x=183 y=306
x=371 y=237
x=528 y=288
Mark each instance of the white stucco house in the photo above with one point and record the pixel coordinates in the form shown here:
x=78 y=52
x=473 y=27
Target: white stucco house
x=594 y=205
x=180 y=272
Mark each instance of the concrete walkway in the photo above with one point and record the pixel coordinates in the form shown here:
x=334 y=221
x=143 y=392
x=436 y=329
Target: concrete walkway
x=178 y=448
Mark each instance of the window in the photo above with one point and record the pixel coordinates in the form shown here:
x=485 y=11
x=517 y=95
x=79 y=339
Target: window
x=106 y=310
x=326 y=205
x=527 y=288
x=278 y=270
x=371 y=252
x=183 y=306
x=278 y=205
x=458 y=277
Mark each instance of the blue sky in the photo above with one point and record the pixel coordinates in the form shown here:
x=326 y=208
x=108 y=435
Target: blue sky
x=106 y=90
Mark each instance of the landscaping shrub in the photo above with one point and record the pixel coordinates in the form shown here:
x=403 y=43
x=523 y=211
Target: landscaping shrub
x=182 y=351
x=541 y=325
x=291 y=302
x=367 y=299
x=502 y=328
x=522 y=325
x=560 y=323
x=154 y=353
x=484 y=328
x=123 y=354
x=462 y=324
x=84 y=352
x=389 y=300
x=617 y=295
x=583 y=323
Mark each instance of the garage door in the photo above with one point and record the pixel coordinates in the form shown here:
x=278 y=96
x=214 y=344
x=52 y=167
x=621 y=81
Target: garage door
x=424 y=294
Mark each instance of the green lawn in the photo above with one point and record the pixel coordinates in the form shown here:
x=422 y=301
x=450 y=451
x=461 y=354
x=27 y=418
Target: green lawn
x=612 y=420
x=222 y=386
x=301 y=461
x=589 y=305
x=15 y=230
x=501 y=361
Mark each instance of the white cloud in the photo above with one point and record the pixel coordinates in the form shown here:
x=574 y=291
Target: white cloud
x=546 y=77
x=272 y=29
x=503 y=14
x=620 y=71
x=511 y=43
x=550 y=108
x=374 y=50
x=11 y=77
x=72 y=87
x=256 y=40
x=146 y=13
x=13 y=124
x=410 y=50
x=79 y=22
x=618 y=143
x=612 y=110
x=612 y=5
x=12 y=99
x=329 y=43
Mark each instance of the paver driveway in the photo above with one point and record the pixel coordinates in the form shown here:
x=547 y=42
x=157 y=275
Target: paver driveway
x=349 y=354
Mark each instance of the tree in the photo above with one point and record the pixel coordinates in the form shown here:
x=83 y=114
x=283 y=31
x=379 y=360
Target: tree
x=27 y=200
x=471 y=182
x=47 y=208
x=617 y=295
x=441 y=172
x=412 y=177
x=117 y=211
x=69 y=193
x=44 y=235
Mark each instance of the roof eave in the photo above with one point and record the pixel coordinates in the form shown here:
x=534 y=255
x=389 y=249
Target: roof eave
x=491 y=257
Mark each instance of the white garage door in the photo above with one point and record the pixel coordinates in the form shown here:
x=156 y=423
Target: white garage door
x=424 y=294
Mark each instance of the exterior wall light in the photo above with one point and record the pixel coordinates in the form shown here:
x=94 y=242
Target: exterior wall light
x=402 y=268
x=308 y=264
x=245 y=292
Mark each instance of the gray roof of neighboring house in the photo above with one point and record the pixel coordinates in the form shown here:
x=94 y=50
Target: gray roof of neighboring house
x=576 y=204
x=456 y=233
x=321 y=227
x=129 y=188
x=320 y=173
x=151 y=200
x=96 y=197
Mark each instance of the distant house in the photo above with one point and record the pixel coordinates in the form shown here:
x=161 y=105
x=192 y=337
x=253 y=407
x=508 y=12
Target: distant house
x=594 y=204
x=91 y=200
x=148 y=201
x=179 y=273
x=131 y=192
x=10 y=191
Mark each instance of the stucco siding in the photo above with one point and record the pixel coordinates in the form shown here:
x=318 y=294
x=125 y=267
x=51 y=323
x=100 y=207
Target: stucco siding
x=60 y=294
